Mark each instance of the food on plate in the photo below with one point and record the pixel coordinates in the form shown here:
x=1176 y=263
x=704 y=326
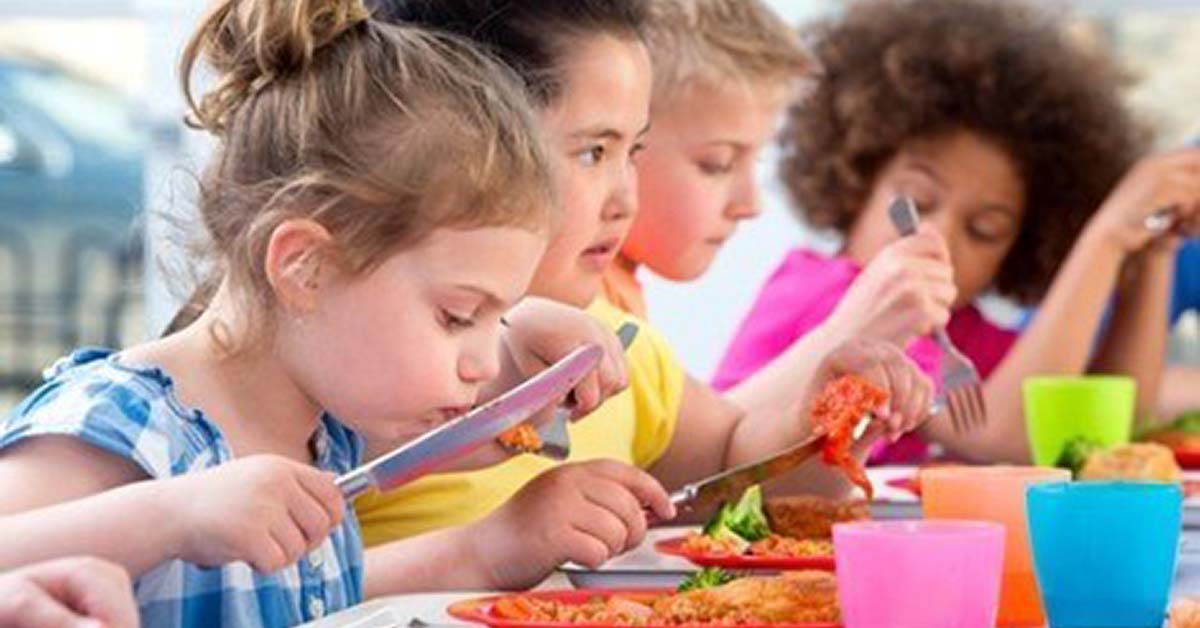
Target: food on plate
x=706 y=578
x=1185 y=613
x=798 y=597
x=812 y=517
x=837 y=411
x=1075 y=454
x=804 y=526
x=739 y=524
x=1181 y=434
x=522 y=438
x=1139 y=461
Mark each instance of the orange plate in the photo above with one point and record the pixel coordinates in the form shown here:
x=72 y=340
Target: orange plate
x=674 y=547
x=479 y=610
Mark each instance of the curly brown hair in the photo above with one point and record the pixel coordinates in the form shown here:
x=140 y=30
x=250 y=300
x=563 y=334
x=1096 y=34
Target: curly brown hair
x=899 y=70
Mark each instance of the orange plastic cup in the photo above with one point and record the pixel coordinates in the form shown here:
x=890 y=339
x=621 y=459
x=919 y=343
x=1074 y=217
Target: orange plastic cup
x=995 y=494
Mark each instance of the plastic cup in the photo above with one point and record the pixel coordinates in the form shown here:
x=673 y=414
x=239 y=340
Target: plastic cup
x=995 y=494
x=1105 y=552
x=1061 y=409
x=919 y=574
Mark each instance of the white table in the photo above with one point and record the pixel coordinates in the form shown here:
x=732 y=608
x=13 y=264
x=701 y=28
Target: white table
x=398 y=611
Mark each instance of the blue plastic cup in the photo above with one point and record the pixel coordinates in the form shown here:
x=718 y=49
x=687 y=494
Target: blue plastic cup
x=1104 y=552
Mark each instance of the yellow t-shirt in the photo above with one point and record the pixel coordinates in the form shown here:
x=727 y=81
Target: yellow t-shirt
x=634 y=427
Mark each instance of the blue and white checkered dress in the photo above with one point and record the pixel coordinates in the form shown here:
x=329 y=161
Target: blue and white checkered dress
x=133 y=413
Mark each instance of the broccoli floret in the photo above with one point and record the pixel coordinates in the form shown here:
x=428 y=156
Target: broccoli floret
x=706 y=578
x=747 y=518
x=719 y=527
x=1188 y=422
x=743 y=522
x=1075 y=454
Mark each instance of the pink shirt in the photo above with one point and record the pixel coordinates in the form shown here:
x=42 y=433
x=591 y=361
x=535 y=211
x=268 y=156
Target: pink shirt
x=803 y=292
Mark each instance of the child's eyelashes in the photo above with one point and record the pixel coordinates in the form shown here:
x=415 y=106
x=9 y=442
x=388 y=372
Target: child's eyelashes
x=454 y=322
x=715 y=169
x=591 y=156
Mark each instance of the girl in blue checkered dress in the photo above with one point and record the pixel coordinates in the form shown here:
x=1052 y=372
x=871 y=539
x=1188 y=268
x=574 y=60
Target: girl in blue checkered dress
x=378 y=199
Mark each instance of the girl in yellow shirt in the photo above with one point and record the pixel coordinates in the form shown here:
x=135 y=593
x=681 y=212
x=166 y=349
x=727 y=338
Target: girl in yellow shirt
x=589 y=73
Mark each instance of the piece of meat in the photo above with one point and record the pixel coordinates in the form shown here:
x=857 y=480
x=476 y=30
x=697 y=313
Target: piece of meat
x=795 y=597
x=837 y=410
x=1139 y=461
x=810 y=516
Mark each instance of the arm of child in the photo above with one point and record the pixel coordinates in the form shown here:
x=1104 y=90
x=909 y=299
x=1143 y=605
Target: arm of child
x=71 y=499
x=1060 y=338
x=67 y=592
x=63 y=497
x=584 y=512
x=901 y=295
x=1136 y=342
x=1180 y=390
x=714 y=434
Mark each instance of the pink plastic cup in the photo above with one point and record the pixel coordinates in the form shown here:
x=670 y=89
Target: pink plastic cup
x=919 y=574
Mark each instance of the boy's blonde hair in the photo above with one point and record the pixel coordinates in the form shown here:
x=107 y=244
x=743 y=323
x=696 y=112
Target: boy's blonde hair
x=380 y=133
x=711 y=42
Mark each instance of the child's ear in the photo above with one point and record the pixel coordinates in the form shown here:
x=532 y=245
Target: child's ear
x=298 y=259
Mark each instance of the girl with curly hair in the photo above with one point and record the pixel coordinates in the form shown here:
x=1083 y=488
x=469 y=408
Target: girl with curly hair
x=1015 y=145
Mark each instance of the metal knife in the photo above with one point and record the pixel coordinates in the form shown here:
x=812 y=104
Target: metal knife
x=729 y=485
x=474 y=429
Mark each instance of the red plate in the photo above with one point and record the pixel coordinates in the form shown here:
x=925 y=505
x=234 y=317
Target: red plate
x=1191 y=488
x=480 y=610
x=674 y=547
x=908 y=484
x=1187 y=458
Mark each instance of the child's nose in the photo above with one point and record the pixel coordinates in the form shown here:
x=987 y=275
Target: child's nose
x=480 y=363
x=744 y=204
x=622 y=203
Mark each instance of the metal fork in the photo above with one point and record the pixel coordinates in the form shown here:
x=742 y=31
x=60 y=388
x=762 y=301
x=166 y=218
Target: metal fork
x=962 y=392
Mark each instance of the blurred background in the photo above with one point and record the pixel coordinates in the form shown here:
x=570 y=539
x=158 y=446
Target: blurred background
x=97 y=172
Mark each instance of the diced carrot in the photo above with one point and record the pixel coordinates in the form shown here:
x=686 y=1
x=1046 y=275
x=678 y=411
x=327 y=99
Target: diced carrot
x=515 y=607
x=838 y=409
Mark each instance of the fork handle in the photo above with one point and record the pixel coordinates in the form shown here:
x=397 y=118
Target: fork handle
x=943 y=339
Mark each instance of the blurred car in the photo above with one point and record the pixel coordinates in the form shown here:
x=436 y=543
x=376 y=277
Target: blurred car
x=71 y=168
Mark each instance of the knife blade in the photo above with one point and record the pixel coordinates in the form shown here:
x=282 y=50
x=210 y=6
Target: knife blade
x=472 y=430
x=729 y=485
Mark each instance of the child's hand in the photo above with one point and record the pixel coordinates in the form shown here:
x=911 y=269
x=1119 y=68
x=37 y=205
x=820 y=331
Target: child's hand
x=910 y=393
x=541 y=332
x=265 y=510
x=82 y=592
x=902 y=294
x=586 y=512
x=1160 y=181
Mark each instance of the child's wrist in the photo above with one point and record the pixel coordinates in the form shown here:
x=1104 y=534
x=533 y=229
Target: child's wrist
x=474 y=556
x=1103 y=239
x=161 y=506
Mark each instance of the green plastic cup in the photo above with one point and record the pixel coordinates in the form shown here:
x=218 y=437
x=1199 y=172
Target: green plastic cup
x=1058 y=410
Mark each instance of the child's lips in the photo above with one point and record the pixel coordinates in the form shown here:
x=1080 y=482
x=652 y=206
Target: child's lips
x=599 y=255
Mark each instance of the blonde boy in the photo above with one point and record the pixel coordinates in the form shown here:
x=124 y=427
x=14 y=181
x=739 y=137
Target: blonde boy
x=723 y=71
